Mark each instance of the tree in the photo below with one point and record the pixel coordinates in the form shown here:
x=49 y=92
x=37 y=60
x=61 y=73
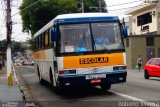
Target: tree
x=93 y=5
x=17 y=46
x=40 y=13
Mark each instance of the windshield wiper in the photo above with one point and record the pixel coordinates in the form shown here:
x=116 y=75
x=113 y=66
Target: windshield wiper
x=101 y=44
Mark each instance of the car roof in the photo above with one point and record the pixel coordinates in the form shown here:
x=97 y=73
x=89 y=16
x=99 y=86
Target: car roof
x=153 y=58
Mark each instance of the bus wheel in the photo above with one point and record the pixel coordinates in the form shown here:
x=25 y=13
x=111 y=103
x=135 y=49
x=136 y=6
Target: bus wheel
x=57 y=89
x=51 y=77
x=105 y=87
x=39 y=76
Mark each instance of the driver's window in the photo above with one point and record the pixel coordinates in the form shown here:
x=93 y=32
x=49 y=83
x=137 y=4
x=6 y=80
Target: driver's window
x=157 y=62
x=152 y=62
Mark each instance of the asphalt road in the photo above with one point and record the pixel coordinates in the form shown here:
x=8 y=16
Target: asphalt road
x=135 y=89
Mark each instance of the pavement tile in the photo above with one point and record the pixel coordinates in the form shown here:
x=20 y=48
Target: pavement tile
x=9 y=95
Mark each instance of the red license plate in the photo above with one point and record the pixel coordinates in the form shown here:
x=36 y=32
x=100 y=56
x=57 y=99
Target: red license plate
x=95 y=81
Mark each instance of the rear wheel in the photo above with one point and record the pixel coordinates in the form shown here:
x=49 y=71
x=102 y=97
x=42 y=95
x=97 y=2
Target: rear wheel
x=105 y=87
x=39 y=76
x=146 y=75
x=51 y=77
x=55 y=88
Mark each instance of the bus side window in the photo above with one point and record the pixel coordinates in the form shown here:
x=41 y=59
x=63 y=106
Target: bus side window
x=50 y=40
x=37 y=42
x=34 y=44
x=48 y=33
x=42 y=40
x=46 y=40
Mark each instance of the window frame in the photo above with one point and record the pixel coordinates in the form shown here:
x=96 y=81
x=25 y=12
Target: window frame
x=144 y=19
x=153 y=59
x=87 y=52
x=150 y=41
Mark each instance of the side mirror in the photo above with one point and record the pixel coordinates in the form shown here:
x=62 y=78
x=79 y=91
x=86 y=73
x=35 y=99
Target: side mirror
x=124 y=29
x=125 y=32
x=53 y=34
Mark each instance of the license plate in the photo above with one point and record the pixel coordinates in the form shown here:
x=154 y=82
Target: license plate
x=95 y=76
x=93 y=81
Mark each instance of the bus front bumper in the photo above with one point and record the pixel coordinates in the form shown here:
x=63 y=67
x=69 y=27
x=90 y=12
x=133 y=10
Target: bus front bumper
x=81 y=80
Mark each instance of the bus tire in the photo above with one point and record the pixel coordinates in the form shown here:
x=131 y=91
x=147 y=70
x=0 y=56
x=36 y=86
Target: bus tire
x=51 y=77
x=105 y=87
x=39 y=76
x=57 y=89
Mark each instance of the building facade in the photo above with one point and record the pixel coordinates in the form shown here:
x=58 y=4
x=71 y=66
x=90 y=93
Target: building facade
x=144 y=33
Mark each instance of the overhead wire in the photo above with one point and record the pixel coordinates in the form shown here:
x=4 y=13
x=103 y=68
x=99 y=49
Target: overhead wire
x=106 y=6
x=26 y=8
x=127 y=7
x=124 y=3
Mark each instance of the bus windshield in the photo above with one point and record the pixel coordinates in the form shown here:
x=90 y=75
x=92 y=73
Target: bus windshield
x=90 y=37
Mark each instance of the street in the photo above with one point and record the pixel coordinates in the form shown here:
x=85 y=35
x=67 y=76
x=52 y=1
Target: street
x=135 y=89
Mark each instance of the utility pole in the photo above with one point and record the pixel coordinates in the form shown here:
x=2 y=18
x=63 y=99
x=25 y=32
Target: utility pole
x=81 y=8
x=9 y=31
x=100 y=6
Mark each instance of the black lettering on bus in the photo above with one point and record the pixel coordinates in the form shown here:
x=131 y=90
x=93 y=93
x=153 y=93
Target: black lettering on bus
x=94 y=60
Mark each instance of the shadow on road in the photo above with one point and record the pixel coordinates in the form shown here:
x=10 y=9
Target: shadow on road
x=155 y=79
x=81 y=92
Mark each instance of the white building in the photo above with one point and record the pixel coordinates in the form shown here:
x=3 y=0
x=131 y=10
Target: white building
x=145 y=19
x=144 y=33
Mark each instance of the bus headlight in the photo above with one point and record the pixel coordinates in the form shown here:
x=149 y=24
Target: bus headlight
x=119 y=68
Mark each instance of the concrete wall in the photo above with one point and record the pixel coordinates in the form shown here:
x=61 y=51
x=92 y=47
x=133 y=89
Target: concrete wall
x=157 y=45
x=137 y=46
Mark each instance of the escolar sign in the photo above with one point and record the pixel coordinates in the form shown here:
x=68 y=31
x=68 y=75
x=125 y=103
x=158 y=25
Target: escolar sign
x=94 y=60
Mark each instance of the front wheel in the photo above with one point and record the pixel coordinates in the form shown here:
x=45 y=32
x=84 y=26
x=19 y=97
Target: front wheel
x=57 y=89
x=39 y=76
x=105 y=87
x=146 y=75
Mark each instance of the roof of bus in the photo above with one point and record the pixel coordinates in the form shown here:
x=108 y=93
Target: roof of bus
x=73 y=16
x=84 y=15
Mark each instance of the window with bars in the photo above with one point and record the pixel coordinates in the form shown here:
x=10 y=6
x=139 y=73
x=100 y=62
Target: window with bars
x=149 y=41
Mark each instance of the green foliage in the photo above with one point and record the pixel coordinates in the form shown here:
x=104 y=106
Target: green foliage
x=93 y=6
x=39 y=14
x=3 y=45
x=17 y=46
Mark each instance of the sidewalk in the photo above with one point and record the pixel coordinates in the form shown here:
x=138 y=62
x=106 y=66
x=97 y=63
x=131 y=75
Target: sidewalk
x=135 y=72
x=10 y=96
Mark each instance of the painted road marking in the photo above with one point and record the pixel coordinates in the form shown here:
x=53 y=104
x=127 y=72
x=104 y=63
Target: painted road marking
x=29 y=75
x=147 y=103
x=126 y=96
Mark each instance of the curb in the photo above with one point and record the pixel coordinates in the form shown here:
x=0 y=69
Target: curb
x=25 y=91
